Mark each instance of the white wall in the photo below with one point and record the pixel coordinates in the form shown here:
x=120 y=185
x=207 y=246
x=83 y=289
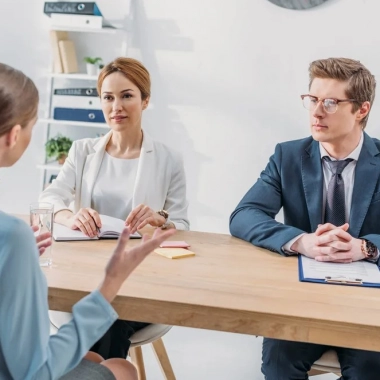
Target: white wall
x=226 y=75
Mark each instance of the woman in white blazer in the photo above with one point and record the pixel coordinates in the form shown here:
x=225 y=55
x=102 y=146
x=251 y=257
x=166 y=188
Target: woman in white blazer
x=124 y=174
x=159 y=184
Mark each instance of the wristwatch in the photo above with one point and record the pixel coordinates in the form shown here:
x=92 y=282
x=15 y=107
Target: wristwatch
x=164 y=214
x=369 y=250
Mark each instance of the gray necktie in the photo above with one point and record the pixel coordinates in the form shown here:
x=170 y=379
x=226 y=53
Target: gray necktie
x=335 y=211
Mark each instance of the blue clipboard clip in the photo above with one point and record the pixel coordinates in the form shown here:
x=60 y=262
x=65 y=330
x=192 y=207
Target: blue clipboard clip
x=344 y=280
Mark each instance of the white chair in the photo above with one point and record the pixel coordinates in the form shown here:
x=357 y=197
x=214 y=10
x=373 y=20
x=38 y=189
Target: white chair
x=327 y=363
x=149 y=334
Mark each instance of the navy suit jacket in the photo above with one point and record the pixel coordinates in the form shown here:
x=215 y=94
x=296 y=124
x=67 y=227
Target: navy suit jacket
x=293 y=180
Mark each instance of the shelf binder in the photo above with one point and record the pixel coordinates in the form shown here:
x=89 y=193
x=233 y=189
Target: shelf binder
x=78 y=114
x=68 y=7
x=86 y=102
x=90 y=91
x=76 y=21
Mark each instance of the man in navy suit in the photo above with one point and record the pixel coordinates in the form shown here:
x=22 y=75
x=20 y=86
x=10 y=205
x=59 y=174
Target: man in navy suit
x=329 y=188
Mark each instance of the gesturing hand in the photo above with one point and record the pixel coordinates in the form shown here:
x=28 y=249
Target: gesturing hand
x=43 y=241
x=124 y=261
x=141 y=216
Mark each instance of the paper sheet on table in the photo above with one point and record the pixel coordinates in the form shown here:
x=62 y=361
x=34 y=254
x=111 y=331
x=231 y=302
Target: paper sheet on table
x=363 y=270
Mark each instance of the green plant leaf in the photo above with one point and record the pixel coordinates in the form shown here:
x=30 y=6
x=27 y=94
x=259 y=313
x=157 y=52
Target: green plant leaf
x=92 y=61
x=57 y=146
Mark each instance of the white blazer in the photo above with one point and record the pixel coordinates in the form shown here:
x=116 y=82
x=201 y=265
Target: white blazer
x=160 y=180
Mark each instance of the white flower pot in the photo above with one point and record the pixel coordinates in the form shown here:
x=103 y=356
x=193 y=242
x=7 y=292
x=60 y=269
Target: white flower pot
x=91 y=69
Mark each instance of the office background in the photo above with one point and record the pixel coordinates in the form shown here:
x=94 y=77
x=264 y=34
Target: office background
x=226 y=80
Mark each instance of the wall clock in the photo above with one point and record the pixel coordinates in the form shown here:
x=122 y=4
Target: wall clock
x=297 y=4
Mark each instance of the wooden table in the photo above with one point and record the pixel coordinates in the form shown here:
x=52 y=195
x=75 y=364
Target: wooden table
x=229 y=285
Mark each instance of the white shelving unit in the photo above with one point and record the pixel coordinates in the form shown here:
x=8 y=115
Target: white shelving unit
x=105 y=29
x=53 y=167
x=81 y=76
x=74 y=123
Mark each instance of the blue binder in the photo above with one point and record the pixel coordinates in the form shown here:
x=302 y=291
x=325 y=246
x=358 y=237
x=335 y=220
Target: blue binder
x=79 y=114
x=91 y=92
x=341 y=280
x=68 y=7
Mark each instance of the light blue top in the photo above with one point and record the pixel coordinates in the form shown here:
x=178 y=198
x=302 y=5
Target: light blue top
x=26 y=349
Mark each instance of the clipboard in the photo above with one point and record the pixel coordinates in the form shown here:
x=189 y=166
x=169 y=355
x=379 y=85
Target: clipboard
x=337 y=279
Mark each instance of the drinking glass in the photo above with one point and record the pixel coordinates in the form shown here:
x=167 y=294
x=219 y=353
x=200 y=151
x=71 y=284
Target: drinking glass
x=41 y=215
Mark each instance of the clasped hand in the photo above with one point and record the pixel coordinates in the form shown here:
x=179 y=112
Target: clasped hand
x=330 y=243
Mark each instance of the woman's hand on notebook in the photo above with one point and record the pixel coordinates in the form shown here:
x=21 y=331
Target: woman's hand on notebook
x=125 y=260
x=142 y=215
x=86 y=219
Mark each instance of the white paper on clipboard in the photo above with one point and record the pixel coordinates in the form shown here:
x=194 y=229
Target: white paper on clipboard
x=358 y=270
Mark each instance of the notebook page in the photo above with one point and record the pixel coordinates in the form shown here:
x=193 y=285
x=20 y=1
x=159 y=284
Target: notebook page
x=63 y=233
x=113 y=227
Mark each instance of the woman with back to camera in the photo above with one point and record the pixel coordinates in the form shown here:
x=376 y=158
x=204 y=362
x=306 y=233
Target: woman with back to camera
x=124 y=174
x=26 y=349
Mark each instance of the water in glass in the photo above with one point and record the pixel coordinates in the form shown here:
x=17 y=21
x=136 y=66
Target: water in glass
x=41 y=215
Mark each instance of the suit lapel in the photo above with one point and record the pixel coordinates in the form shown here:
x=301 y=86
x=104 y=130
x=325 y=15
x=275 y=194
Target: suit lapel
x=144 y=172
x=91 y=169
x=312 y=179
x=367 y=173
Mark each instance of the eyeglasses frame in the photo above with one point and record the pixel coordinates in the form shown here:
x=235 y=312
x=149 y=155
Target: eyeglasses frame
x=322 y=100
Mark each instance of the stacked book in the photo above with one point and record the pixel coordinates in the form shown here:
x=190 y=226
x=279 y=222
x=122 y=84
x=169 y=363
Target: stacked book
x=67 y=14
x=77 y=104
x=64 y=55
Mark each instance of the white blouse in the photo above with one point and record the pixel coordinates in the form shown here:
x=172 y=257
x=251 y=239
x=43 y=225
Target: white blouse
x=113 y=189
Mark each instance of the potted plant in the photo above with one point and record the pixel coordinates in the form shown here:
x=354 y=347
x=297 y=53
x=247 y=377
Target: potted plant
x=58 y=148
x=92 y=64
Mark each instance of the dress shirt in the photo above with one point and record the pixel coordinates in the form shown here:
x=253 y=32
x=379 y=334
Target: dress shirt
x=113 y=189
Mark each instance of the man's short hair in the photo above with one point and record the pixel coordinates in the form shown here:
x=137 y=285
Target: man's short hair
x=361 y=83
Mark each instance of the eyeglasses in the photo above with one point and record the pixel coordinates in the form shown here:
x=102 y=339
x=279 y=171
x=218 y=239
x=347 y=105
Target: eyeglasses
x=330 y=105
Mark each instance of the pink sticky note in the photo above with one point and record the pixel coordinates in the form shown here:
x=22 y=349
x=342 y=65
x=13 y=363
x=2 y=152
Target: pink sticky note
x=174 y=244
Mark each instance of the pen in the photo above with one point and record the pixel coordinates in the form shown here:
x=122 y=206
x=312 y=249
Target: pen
x=97 y=228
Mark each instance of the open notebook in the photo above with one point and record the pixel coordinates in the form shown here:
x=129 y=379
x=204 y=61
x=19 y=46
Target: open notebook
x=111 y=229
